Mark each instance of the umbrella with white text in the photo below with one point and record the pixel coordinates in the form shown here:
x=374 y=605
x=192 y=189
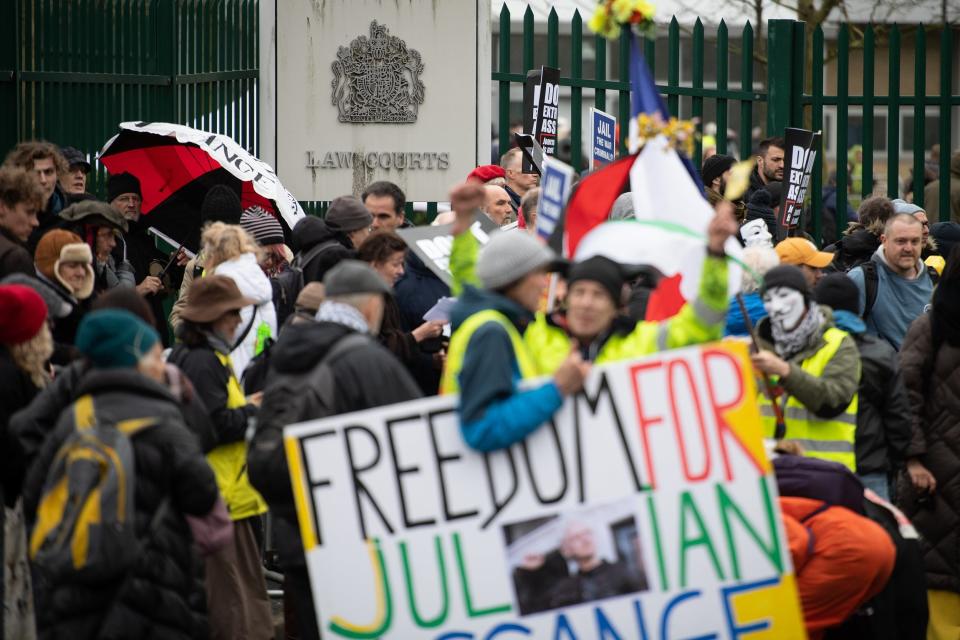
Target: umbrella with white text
x=176 y=166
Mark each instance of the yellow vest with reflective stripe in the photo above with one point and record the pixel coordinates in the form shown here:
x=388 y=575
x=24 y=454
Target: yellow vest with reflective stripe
x=461 y=338
x=229 y=461
x=825 y=438
x=550 y=345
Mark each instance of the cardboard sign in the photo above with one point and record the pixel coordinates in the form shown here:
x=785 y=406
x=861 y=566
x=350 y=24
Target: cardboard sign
x=555 y=188
x=433 y=244
x=646 y=509
x=547 y=105
x=603 y=137
x=799 y=156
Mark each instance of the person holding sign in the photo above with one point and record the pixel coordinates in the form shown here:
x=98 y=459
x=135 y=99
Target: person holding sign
x=487 y=357
x=594 y=322
x=817 y=367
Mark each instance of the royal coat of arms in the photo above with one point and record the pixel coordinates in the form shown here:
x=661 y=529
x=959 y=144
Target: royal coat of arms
x=377 y=79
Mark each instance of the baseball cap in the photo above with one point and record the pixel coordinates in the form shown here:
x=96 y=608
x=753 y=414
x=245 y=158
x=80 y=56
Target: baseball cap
x=801 y=251
x=75 y=158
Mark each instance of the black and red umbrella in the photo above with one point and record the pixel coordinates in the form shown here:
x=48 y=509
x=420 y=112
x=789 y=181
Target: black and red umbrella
x=177 y=165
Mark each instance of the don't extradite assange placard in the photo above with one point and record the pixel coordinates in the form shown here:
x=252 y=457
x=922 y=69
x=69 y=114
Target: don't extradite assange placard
x=646 y=509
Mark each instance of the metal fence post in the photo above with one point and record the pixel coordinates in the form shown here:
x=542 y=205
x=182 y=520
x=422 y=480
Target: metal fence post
x=9 y=82
x=784 y=75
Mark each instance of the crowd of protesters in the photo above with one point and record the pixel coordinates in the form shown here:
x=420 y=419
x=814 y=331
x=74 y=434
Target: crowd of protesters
x=200 y=366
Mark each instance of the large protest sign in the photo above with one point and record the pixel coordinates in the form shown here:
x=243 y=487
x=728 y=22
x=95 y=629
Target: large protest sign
x=799 y=156
x=645 y=509
x=603 y=138
x=433 y=244
x=556 y=183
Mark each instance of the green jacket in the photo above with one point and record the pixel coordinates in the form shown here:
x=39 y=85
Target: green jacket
x=829 y=394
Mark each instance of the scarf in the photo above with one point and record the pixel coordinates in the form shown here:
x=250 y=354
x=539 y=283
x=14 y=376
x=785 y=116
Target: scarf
x=790 y=343
x=342 y=314
x=849 y=322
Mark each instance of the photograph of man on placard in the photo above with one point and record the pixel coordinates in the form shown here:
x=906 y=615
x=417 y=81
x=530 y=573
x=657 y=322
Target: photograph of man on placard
x=583 y=556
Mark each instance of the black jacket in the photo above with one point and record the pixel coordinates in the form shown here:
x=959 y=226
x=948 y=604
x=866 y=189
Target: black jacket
x=160 y=597
x=312 y=232
x=210 y=378
x=852 y=250
x=30 y=426
x=14 y=257
x=884 y=414
x=756 y=183
x=65 y=328
x=417 y=291
x=18 y=391
x=363 y=377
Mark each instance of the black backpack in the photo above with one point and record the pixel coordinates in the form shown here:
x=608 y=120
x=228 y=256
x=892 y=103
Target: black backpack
x=286 y=287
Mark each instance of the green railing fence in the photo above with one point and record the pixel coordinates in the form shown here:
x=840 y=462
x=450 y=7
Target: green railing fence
x=784 y=85
x=71 y=70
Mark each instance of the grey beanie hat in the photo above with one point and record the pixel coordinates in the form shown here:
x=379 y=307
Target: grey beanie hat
x=902 y=206
x=509 y=256
x=347 y=214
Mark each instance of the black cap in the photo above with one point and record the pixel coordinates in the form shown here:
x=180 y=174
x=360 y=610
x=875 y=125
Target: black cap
x=947 y=235
x=353 y=276
x=121 y=183
x=715 y=166
x=601 y=270
x=221 y=204
x=74 y=158
x=838 y=292
x=786 y=275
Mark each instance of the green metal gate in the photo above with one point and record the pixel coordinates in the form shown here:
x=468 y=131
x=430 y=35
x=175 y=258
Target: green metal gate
x=785 y=86
x=71 y=70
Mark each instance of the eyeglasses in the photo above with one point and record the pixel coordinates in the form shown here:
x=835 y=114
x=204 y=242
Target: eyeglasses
x=128 y=199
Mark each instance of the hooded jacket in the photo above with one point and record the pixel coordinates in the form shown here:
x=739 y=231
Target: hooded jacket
x=160 y=597
x=254 y=284
x=362 y=377
x=899 y=300
x=932 y=376
x=931 y=193
x=313 y=232
x=30 y=427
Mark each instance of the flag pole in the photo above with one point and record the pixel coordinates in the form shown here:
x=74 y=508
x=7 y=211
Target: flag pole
x=781 y=429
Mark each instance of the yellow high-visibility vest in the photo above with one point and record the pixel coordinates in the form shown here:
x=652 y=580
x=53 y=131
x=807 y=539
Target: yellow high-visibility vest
x=461 y=338
x=825 y=438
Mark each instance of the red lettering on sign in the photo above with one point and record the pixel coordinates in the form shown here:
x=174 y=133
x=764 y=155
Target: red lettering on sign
x=691 y=394
x=645 y=421
x=724 y=429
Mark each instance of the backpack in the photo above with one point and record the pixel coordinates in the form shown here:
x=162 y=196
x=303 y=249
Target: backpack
x=289 y=399
x=295 y=281
x=871 y=282
x=286 y=287
x=823 y=480
x=85 y=525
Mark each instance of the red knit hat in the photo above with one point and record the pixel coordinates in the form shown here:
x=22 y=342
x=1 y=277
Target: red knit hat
x=487 y=172
x=22 y=314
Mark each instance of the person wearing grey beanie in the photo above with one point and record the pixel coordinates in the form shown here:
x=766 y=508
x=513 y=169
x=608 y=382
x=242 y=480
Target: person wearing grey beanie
x=349 y=217
x=487 y=358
